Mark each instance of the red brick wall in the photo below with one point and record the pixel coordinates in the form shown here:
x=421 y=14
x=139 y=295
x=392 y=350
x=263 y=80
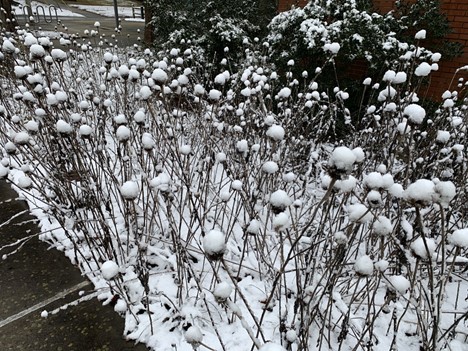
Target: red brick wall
x=285 y=5
x=457 y=14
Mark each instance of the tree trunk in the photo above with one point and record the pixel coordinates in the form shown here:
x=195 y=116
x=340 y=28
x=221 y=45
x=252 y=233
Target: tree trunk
x=149 y=30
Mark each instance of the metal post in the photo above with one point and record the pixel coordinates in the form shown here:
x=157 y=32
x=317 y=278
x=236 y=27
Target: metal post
x=116 y=12
x=29 y=8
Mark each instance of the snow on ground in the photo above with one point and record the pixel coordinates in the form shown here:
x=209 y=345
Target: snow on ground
x=19 y=10
x=108 y=11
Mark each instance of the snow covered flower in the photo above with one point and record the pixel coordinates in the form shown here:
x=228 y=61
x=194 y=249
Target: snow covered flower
x=444 y=192
x=270 y=167
x=281 y=222
x=222 y=292
x=214 y=245
x=398 y=284
x=459 y=238
x=279 y=200
x=359 y=213
x=123 y=134
x=423 y=248
x=3 y=171
x=194 y=336
x=109 y=270
x=423 y=69
x=129 y=190
x=382 y=226
x=421 y=192
x=415 y=113
x=275 y=132
x=36 y=51
x=271 y=346
x=341 y=161
x=63 y=127
x=364 y=266
x=21 y=138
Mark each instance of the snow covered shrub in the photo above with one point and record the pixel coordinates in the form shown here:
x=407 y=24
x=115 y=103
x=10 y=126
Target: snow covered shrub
x=222 y=209
x=357 y=36
x=215 y=25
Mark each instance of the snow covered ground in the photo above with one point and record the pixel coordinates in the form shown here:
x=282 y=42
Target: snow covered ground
x=20 y=10
x=108 y=11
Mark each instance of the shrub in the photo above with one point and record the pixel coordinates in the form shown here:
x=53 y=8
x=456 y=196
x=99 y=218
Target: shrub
x=163 y=181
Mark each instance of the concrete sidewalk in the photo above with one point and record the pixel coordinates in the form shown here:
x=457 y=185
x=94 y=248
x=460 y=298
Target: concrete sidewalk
x=38 y=278
x=129 y=33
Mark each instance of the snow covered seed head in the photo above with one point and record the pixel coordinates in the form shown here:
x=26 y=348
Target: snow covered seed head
x=275 y=132
x=415 y=113
x=281 y=222
x=3 y=171
x=109 y=270
x=373 y=180
x=341 y=161
x=458 y=238
x=194 y=336
x=423 y=248
x=10 y=148
x=222 y=292
x=214 y=245
x=123 y=134
x=159 y=76
x=85 y=131
x=364 y=266
x=270 y=346
x=253 y=227
x=374 y=199
x=398 y=284
x=21 y=138
x=36 y=52
x=359 y=213
x=444 y=192
x=147 y=141
x=382 y=226
x=279 y=200
x=24 y=182
x=421 y=192
x=63 y=127
x=129 y=190
x=270 y=167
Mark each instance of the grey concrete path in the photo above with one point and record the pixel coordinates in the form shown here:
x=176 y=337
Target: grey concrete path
x=38 y=278
x=74 y=27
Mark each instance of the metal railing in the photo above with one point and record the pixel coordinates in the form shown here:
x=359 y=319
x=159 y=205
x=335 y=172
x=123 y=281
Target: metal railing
x=138 y=11
x=48 y=18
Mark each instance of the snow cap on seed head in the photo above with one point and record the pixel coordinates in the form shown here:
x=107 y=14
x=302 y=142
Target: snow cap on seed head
x=194 y=336
x=270 y=346
x=214 y=244
x=421 y=192
x=341 y=161
x=459 y=238
x=279 y=200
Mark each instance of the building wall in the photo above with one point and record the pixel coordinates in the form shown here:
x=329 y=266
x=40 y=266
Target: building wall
x=457 y=14
x=285 y=5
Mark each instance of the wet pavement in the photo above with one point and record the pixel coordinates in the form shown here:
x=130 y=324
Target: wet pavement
x=38 y=278
x=130 y=32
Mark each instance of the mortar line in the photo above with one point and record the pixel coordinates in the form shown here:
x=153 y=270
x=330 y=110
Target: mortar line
x=43 y=304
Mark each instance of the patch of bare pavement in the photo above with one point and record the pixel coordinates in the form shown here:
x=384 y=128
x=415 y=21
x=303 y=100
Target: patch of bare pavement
x=37 y=278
